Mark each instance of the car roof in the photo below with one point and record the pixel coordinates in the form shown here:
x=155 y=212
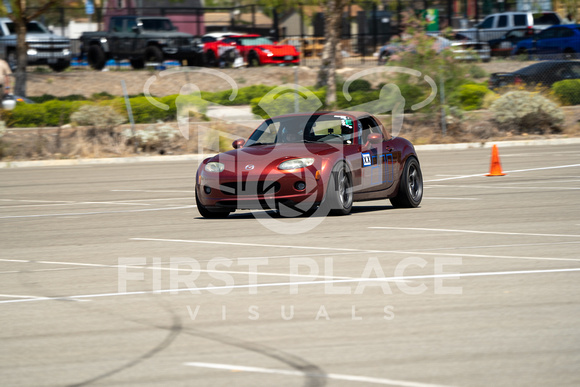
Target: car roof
x=544 y=65
x=354 y=114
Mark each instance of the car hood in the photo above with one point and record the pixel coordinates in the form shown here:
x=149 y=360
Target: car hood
x=279 y=49
x=265 y=156
x=41 y=37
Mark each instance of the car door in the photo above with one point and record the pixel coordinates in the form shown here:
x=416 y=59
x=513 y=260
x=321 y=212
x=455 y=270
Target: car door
x=548 y=41
x=377 y=160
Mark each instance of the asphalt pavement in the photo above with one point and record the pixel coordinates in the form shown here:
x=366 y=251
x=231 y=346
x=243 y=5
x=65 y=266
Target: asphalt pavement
x=109 y=276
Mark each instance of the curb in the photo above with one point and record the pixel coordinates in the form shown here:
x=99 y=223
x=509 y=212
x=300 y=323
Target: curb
x=198 y=158
x=502 y=144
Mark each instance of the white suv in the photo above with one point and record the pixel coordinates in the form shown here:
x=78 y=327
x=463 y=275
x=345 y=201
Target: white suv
x=497 y=24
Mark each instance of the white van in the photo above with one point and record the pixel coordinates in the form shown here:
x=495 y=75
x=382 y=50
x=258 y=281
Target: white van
x=497 y=24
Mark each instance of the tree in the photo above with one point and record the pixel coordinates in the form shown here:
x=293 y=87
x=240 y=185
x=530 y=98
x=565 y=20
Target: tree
x=332 y=33
x=333 y=10
x=21 y=12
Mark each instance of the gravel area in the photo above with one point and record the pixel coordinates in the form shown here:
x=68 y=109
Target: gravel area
x=87 y=82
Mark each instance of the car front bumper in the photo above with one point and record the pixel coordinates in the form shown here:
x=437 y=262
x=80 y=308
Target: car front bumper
x=259 y=191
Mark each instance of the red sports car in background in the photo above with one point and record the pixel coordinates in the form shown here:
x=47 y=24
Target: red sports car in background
x=256 y=50
x=301 y=162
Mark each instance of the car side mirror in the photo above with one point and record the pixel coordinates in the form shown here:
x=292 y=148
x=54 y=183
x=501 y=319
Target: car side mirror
x=375 y=138
x=238 y=143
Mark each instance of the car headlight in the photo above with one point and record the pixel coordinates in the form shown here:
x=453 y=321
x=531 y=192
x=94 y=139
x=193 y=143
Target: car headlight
x=296 y=163
x=214 y=167
x=266 y=51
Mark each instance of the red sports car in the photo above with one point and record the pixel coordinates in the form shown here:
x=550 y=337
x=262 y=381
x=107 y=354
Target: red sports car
x=256 y=50
x=307 y=162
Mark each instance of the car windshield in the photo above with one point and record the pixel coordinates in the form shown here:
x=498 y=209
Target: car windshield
x=546 y=19
x=256 y=41
x=313 y=128
x=31 y=27
x=157 y=25
x=536 y=68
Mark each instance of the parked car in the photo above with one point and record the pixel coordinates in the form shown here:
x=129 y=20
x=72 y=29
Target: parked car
x=298 y=162
x=504 y=45
x=255 y=50
x=563 y=40
x=544 y=73
x=141 y=40
x=43 y=47
x=497 y=24
x=462 y=47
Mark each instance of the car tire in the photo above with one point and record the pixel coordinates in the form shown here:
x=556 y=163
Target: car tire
x=210 y=214
x=137 y=64
x=96 y=57
x=569 y=54
x=383 y=59
x=59 y=67
x=522 y=51
x=253 y=60
x=339 y=193
x=410 y=190
x=153 y=54
x=210 y=59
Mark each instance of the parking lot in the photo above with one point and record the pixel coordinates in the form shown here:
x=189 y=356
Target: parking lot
x=109 y=276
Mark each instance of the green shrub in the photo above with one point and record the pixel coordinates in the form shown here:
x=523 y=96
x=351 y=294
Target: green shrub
x=49 y=97
x=26 y=116
x=356 y=85
x=469 y=96
x=526 y=112
x=568 y=91
x=58 y=112
x=285 y=103
x=244 y=96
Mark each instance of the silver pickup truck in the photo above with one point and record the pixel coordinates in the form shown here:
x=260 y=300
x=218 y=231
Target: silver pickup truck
x=43 y=47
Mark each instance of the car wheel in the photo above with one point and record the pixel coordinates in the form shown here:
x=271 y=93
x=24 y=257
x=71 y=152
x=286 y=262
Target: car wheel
x=211 y=59
x=153 y=55
x=137 y=64
x=210 y=214
x=383 y=58
x=96 y=57
x=410 y=190
x=59 y=67
x=569 y=54
x=12 y=59
x=339 y=194
x=253 y=60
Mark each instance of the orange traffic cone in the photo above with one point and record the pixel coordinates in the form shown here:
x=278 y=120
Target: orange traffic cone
x=495 y=168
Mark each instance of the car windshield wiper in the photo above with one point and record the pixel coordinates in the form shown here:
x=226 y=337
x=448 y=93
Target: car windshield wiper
x=261 y=143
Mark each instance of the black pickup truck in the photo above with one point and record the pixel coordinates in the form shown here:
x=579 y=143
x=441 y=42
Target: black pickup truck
x=141 y=40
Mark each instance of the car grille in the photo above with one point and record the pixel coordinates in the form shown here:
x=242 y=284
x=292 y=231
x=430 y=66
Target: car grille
x=250 y=188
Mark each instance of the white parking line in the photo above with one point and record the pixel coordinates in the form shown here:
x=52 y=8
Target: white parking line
x=299 y=283
x=472 y=231
x=72 y=204
x=349 y=378
x=100 y=265
x=24 y=297
x=95 y=212
x=440 y=198
x=514 y=171
x=151 y=190
x=495 y=187
x=358 y=250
